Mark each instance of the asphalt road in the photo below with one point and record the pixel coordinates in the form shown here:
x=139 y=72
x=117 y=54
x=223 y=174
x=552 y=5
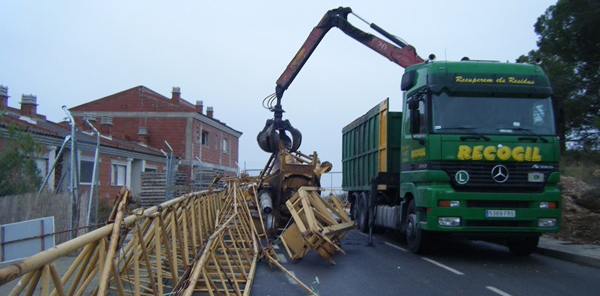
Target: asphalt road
x=455 y=268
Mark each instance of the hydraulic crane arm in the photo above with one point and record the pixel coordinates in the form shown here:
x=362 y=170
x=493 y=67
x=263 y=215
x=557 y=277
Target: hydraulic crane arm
x=275 y=129
x=403 y=54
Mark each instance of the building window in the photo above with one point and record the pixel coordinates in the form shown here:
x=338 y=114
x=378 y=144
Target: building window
x=225 y=146
x=118 y=175
x=86 y=170
x=205 y=138
x=42 y=165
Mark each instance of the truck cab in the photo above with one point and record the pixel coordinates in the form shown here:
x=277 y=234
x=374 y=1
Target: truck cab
x=478 y=157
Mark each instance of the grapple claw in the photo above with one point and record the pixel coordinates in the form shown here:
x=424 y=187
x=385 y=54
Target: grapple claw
x=296 y=138
x=275 y=131
x=268 y=138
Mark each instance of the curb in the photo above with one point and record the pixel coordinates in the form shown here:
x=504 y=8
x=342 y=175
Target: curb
x=570 y=256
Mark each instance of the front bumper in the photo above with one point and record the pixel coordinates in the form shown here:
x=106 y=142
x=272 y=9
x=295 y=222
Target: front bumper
x=523 y=208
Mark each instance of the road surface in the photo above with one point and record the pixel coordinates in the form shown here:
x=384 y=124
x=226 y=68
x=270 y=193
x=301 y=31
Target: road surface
x=454 y=268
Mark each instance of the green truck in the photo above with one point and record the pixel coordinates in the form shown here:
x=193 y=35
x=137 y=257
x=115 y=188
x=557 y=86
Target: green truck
x=473 y=154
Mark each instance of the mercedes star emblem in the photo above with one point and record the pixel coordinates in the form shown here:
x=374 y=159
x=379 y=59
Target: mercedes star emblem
x=500 y=173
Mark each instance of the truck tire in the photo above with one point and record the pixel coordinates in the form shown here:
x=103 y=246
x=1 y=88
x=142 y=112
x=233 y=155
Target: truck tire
x=355 y=209
x=417 y=239
x=353 y=204
x=523 y=246
x=363 y=214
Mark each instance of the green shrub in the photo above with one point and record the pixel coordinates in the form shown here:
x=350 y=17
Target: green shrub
x=18 y=171
x=582 y=165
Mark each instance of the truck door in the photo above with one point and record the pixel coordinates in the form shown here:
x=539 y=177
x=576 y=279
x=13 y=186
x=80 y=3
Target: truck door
x=415 y=131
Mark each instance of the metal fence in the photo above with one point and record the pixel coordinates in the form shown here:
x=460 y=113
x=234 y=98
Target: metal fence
x=331 y=181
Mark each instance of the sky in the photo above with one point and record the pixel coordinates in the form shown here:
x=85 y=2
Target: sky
x=229 y=54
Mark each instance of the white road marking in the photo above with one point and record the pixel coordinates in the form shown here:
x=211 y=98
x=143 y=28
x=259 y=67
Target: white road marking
x=282 y=258
x=443 y=266
x=500 y=292
x=291 y=280
x=396 y=247
x=425 y=258
x=276 y=247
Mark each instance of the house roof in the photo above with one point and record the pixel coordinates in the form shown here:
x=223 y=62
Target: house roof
x=141 y=92
x=149 y=101
x=43 y=127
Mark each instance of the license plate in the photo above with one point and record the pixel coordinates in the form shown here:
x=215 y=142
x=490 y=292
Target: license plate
x=501 y=213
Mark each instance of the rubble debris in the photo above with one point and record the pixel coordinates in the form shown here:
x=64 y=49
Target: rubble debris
x=314 y=225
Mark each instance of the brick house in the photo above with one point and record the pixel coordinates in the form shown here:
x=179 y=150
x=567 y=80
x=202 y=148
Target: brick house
x=198 y=139
x=120 y=161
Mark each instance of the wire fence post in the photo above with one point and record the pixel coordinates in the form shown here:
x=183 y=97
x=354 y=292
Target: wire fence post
x=93 y=202
x=73 y=174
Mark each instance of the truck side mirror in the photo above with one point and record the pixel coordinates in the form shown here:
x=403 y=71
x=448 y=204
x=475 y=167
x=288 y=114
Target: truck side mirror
x=415 y=116
x=415 y=120
x=408 y=80
x=413 y=104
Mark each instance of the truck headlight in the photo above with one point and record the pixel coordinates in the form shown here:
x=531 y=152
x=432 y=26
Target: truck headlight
x=547 y=205
x=449 y=203
x=449 y=221
x=547 y=222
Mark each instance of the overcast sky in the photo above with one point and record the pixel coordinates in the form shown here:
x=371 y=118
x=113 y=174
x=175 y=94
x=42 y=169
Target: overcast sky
x=230 y=53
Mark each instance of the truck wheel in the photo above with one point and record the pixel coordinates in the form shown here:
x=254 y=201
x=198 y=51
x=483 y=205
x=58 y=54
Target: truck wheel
x=355 y=209
x=523 y=246
x=416 y=238
x=353 y=204
x=363 y=214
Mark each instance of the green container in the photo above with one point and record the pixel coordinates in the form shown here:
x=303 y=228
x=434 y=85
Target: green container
x=370 y=145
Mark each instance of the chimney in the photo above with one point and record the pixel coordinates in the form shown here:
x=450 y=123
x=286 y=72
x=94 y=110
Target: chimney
x=176 y=94
x=209 y=112
x=143 y=136
x=28 y=105
x=106 y=125
x=91 y=117
x=3 y=96
x=199 y=106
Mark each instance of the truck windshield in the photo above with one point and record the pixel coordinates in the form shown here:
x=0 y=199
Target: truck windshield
x=492 y=115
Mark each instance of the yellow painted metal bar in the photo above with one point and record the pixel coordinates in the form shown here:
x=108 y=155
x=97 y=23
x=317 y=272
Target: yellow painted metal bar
x=136 y=266
x=45 y=280
x=33 y=283
x=117 y=278
x=158 y=255
x=170 y=259
x=383 y=131
x=58 y=284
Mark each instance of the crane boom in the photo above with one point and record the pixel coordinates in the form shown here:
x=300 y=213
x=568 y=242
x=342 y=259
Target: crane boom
x=275 y=129
x=404 y=55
